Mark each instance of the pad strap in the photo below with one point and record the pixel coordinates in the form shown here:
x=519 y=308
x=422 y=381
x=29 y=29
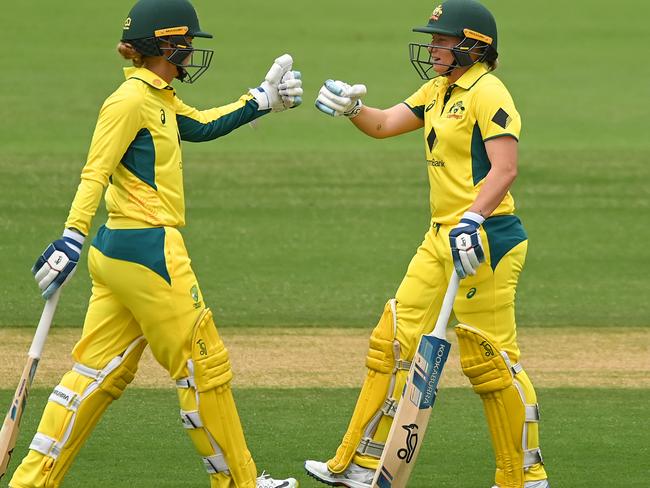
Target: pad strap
x=185 y=383
x=191 y=420
x=390 y=407
x=532 y=457
x=188 y=381
x=370 y=448
x=65 y=397
x=403 y=365
x=45 y=445
x=532 y=412
x=215 y=464
x=48 y=446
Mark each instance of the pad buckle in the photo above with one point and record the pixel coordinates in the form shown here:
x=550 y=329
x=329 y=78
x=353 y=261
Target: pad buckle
x=390 y=407
x=532 y=457
x=370 y=448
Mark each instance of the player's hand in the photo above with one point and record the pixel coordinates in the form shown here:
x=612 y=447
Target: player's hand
x=290 y=89
x=466 y=246
x=281 y=88
x=58 y=262
x=338 y=98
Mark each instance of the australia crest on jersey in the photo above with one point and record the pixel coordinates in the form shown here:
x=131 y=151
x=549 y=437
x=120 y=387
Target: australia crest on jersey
x=456 y=111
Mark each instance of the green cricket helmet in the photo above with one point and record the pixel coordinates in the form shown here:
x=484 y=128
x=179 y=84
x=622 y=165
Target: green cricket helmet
x=468 y=20
x=167 y=28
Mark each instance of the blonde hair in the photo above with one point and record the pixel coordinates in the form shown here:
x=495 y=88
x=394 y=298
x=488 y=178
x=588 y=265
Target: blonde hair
x=492 y=64
x=127 y=51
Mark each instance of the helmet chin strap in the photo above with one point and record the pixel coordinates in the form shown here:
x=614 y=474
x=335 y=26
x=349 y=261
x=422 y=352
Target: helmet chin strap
x=182 y=73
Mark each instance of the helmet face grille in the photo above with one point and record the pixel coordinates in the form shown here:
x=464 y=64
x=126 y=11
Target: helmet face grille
x=178 y=50
x=191 y=63
x=422 y=61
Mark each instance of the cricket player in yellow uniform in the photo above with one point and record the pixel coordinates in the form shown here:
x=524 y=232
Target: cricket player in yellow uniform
x=143 y=288
x=471 y=131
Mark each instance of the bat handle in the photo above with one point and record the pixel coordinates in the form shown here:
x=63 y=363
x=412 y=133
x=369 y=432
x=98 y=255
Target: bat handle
x=44 y=326
x=447 y=307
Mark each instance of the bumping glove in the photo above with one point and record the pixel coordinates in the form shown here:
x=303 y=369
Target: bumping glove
x=58 y=262
x=281 y=88
x=466 y=246
x=338 y=98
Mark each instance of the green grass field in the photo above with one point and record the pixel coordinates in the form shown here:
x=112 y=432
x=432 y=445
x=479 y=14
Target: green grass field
x=304 y=221
x=592 y=437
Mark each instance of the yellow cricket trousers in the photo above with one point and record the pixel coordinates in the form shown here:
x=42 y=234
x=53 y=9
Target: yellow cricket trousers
x=143 y=292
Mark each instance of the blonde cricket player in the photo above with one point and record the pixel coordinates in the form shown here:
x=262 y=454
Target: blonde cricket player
x=471 y=131
x=143 y=288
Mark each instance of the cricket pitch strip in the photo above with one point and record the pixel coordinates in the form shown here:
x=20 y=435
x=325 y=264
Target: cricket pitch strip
x=334 y=357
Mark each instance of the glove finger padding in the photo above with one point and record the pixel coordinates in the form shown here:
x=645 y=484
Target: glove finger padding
x=334 y=103
x=268 y=96
x=337 y=98
x=290 y=89
x=356 y=91
x=327 y=110
x=280 y=66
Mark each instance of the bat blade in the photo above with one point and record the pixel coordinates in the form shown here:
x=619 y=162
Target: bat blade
x=11 y=424
x=412 y=416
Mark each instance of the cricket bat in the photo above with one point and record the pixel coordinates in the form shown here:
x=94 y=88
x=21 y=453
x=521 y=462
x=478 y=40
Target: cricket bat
x=419 y=394
x=11 y=425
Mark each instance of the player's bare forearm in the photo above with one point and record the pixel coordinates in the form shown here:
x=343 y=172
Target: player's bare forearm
x=502 y=153
x=390 y=122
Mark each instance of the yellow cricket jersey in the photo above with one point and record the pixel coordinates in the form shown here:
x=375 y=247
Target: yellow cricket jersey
x=136 y=152
x=458 y=119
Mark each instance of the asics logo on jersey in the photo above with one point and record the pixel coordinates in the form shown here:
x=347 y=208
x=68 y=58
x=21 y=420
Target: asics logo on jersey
x=430 y=106
x=163 y=118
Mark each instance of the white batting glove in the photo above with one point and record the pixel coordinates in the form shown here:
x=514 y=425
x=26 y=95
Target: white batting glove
x=466 y=245
x=337 y=98
x=58 y=263
x=281 y=88
x=290 y=89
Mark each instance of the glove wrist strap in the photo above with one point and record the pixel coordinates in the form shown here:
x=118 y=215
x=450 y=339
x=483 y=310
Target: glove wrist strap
x=474 y=217
x=74 y=236
x=354 y=111
x=261 y=97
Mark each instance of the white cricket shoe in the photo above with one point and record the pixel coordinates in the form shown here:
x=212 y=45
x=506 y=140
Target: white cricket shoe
x=265 y=481
x=533 y=484
x=354 y=476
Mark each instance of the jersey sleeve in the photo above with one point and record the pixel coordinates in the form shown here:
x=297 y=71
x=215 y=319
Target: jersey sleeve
x=117 y=125
x=204 y=125
x=418 y=101
x=495 y=112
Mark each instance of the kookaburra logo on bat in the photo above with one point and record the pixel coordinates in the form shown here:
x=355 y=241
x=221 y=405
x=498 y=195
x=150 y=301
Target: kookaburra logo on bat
x=406 y=453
